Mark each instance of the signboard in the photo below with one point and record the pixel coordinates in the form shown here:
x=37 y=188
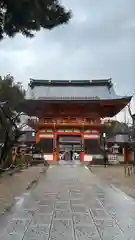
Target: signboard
x=68 y=130
x=113 y=159
x=70 y=139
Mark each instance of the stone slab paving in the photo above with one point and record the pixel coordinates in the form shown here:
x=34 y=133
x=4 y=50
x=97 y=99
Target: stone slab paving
x=15 y=185
x=116 y=175
x=70 y=203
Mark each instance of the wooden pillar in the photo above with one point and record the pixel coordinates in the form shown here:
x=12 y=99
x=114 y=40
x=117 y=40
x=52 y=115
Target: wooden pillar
x=57 y=147
x=37 y=138
x=126 y=155
x=54 y=148
x=82 y=149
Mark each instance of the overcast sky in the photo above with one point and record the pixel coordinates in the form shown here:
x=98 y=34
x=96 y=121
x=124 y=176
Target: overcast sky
x=98 y=42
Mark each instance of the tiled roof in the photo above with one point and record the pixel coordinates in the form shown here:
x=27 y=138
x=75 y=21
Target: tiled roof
x=66 y=90
x=119 y=138
x=28 y=136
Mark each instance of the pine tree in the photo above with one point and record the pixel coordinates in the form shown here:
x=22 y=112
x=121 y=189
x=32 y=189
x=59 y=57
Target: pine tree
x=28 y=16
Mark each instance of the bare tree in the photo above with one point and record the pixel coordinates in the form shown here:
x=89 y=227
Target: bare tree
x=130 y=112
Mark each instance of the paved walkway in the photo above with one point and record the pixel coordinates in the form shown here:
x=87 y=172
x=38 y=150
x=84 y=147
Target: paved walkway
x=70 y=203
x=116 y=175
x=15 y=185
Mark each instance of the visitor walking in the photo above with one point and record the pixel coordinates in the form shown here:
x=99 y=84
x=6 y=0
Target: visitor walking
x=66 y=155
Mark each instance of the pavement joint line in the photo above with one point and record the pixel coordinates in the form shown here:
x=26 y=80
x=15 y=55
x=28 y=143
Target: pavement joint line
x=73 y=225
x=20 y=201
x=95 y=224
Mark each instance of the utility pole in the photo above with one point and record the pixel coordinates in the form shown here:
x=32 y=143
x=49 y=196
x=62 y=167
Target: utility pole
x=133 y=133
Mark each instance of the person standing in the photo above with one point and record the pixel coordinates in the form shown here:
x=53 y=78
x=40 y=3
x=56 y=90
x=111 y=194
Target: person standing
x=105 y=159
x=66 y=155
x=71 y=155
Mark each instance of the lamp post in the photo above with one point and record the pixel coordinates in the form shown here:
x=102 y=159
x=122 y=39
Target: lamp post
x=104 y=148
x=104 y=141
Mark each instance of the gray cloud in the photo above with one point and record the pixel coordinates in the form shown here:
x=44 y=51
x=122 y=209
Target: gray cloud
x=98 y=42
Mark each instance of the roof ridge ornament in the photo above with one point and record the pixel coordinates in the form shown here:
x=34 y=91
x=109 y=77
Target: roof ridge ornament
x=98 y=82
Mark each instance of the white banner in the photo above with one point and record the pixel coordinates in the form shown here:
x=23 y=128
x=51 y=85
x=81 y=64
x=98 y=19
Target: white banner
x=91 y=136
x=88 y=158
x=46 y=135
x=48 y=157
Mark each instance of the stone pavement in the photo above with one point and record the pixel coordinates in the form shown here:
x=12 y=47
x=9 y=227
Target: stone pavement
x=115 y=175
x=70 y=203
x=15 y=185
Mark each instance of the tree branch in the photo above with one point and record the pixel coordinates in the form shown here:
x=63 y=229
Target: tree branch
x=130 y=112
x=17 y=115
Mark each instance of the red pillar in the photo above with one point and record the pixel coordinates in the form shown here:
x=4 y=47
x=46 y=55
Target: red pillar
x=126 y=155
x=54 y=147
x=82 y=150
x=82 y=156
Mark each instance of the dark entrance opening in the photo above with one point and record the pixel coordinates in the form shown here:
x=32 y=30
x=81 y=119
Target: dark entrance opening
x=92 y=146
x=68 y=144
x=46 y=145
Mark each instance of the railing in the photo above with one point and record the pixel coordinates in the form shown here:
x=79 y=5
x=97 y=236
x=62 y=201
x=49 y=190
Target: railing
x=64 y=121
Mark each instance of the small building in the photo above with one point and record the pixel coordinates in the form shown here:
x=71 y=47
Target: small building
x=28 y=138
x=69 y=114
x=121 y=143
